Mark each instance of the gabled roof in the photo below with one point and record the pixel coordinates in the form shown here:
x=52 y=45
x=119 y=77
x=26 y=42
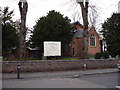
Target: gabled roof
x=79 y=31
x=92 y=28
x=77 y=23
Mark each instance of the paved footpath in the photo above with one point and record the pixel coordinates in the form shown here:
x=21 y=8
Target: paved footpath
x=73 y=74
x=92 y=78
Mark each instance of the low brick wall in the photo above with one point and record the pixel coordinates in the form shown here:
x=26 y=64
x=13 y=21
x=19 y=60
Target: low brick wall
x=55 y=65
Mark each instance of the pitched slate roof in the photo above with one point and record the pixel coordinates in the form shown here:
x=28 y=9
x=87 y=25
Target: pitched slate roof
x=78 y=33
x=77 y=23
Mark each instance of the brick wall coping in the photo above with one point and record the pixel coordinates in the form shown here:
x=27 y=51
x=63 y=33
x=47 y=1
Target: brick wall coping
x=58 y=60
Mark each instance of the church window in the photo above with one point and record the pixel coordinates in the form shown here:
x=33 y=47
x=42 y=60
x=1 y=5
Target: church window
x=92 y=41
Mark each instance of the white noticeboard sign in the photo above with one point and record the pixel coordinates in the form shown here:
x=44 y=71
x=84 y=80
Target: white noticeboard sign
x=52 y=48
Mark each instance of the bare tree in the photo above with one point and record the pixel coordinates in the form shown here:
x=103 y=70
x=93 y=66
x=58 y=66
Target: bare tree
x=23 y=7
x=93 y=15
x=84 y=10
x=73 y=8
x=76 y=16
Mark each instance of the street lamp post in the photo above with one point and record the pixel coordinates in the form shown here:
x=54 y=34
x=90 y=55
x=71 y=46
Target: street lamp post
x=84 y=8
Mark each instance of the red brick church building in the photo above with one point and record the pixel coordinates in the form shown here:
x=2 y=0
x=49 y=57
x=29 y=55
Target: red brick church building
x=77 y=46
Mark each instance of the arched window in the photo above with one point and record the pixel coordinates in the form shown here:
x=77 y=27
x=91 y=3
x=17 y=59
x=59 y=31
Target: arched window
x=92 y=41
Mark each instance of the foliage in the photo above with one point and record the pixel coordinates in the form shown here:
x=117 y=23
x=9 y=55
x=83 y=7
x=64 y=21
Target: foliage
x=53 y=27
x=68 y=58
x=102 y=55
x=111 y=33
x=9 y=33
x=7 y=15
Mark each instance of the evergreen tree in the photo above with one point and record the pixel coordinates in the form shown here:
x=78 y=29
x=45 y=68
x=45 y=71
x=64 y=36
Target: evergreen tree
x=53 y=27
x=9 y=32
x=111 y=33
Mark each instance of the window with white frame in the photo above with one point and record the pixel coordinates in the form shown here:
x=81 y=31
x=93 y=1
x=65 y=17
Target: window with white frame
x=92 y=41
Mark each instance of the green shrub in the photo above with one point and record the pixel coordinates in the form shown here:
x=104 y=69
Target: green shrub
x=98 y=55
x=102 y=55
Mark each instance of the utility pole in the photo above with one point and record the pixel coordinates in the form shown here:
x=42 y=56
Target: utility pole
x=23 y=8
x=84 y=9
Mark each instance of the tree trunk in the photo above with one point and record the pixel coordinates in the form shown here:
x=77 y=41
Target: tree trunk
x=23 y=7
x=85 y=22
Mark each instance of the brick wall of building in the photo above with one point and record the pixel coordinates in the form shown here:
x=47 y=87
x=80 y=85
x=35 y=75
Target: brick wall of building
x=93 y=50
x=77 y=43
x=78 y=47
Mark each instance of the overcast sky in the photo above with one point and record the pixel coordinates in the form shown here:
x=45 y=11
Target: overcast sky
x=39 y=8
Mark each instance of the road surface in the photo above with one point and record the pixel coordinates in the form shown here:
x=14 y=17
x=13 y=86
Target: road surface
x=100 y=80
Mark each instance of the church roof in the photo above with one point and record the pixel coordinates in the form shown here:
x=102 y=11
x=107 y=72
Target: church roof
x=77 y=23
x=78 y=33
